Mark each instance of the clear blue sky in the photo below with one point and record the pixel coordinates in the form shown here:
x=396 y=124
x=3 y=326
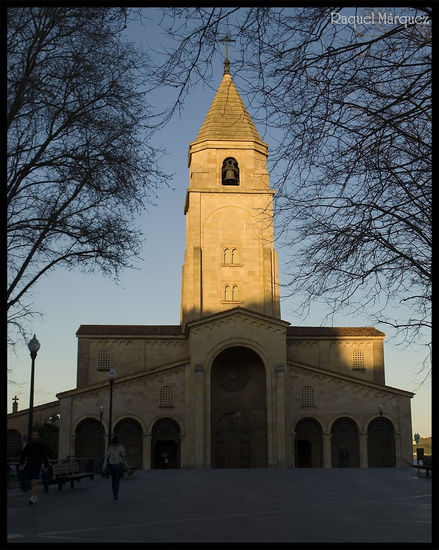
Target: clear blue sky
x=151 y=294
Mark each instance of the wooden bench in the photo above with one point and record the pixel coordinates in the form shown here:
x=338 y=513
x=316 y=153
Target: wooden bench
x=63 y=473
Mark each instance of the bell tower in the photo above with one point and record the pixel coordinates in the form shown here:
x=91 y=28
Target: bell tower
x=230 y=259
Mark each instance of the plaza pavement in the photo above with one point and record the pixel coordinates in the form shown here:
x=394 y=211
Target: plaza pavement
x=379 y=505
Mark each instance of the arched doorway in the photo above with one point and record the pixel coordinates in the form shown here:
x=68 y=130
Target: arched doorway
x=309 y=444
x=239 y=410
x=165 y=444
x=89 y=440
x=381 y=443
x=14 y=444
x=49 y=437
x=129 y=432
x=345 y=445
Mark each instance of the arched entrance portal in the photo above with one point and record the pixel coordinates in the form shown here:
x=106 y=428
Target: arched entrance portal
x=345 y=444
x=165 y=444
x=49 y=437
x=239 y=410
x=381 y=443
x=129 y=432
x=14 y=444
x=309 y=447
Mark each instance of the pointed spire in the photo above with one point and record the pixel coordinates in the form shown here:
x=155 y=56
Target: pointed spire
x=228 y=118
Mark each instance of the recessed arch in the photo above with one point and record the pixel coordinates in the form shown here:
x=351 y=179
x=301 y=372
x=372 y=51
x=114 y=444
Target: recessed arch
x=130 y=434
x=308 y=443
x=240 y=342
x=14 y=444
x=345 y=445
x=89 y=439
x=165 y=443
x=381 y=443
x=238 y=409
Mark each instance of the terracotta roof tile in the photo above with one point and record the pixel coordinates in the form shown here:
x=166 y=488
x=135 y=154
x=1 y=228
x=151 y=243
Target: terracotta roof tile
x=129 y=330
x=333 y=331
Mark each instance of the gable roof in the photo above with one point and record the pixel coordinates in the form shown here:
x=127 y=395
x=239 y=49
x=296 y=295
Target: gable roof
x=228 y=118
x=330 y=332
x=178 y=330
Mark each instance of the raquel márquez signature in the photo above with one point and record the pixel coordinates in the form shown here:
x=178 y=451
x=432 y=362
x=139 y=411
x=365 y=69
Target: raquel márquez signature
x=379 y=18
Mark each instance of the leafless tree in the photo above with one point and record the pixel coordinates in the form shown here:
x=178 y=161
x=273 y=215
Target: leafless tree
x=347 y=105
x=79 y=162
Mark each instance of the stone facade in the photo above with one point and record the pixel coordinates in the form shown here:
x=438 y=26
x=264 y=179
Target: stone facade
x=234 y=385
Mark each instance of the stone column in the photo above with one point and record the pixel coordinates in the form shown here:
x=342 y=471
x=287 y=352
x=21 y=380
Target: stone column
x=398 y=449
x=363 y=449
x=327 y=455
x=183 y=461
x=293 y=449
x=279 y=372
x=199 y=439
x=147 y=462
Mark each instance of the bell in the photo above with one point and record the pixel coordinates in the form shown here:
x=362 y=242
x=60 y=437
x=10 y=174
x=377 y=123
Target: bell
x=230 y=176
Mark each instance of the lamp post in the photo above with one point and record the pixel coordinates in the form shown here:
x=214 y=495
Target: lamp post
x=33 y=346
x=111 y=375
x=417 y=437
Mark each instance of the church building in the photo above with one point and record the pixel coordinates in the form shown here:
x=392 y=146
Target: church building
x=234 y=385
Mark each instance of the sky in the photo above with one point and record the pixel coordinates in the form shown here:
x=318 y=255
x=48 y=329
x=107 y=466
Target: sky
x=150 y=294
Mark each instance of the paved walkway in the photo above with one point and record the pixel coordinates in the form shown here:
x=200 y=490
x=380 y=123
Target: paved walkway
x=200 y=506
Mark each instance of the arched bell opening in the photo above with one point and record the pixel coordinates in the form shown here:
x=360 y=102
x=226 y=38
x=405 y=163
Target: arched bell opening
x=230 y=172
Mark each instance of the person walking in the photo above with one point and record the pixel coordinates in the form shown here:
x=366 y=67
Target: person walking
x=115 y=460
x=32 y=457
x=165 y=459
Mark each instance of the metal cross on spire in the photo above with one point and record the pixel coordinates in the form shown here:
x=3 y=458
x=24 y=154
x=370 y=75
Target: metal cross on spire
x=226 y=62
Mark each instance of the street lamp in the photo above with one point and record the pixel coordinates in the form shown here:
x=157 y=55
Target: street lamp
x=417 y=437
x=381 y=409
x=111 y=375
x=33 y=346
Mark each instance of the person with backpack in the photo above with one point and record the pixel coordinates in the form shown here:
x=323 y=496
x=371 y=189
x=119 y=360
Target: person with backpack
x=115 y=461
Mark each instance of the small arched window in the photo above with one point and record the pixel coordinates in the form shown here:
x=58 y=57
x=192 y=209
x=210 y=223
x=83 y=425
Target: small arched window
x=230 y=256
x=230 y=172
x=235 y=293
x=227 y=256
x=104 y=360
x=358 y=360
x=228 y=293
x=308 y=399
